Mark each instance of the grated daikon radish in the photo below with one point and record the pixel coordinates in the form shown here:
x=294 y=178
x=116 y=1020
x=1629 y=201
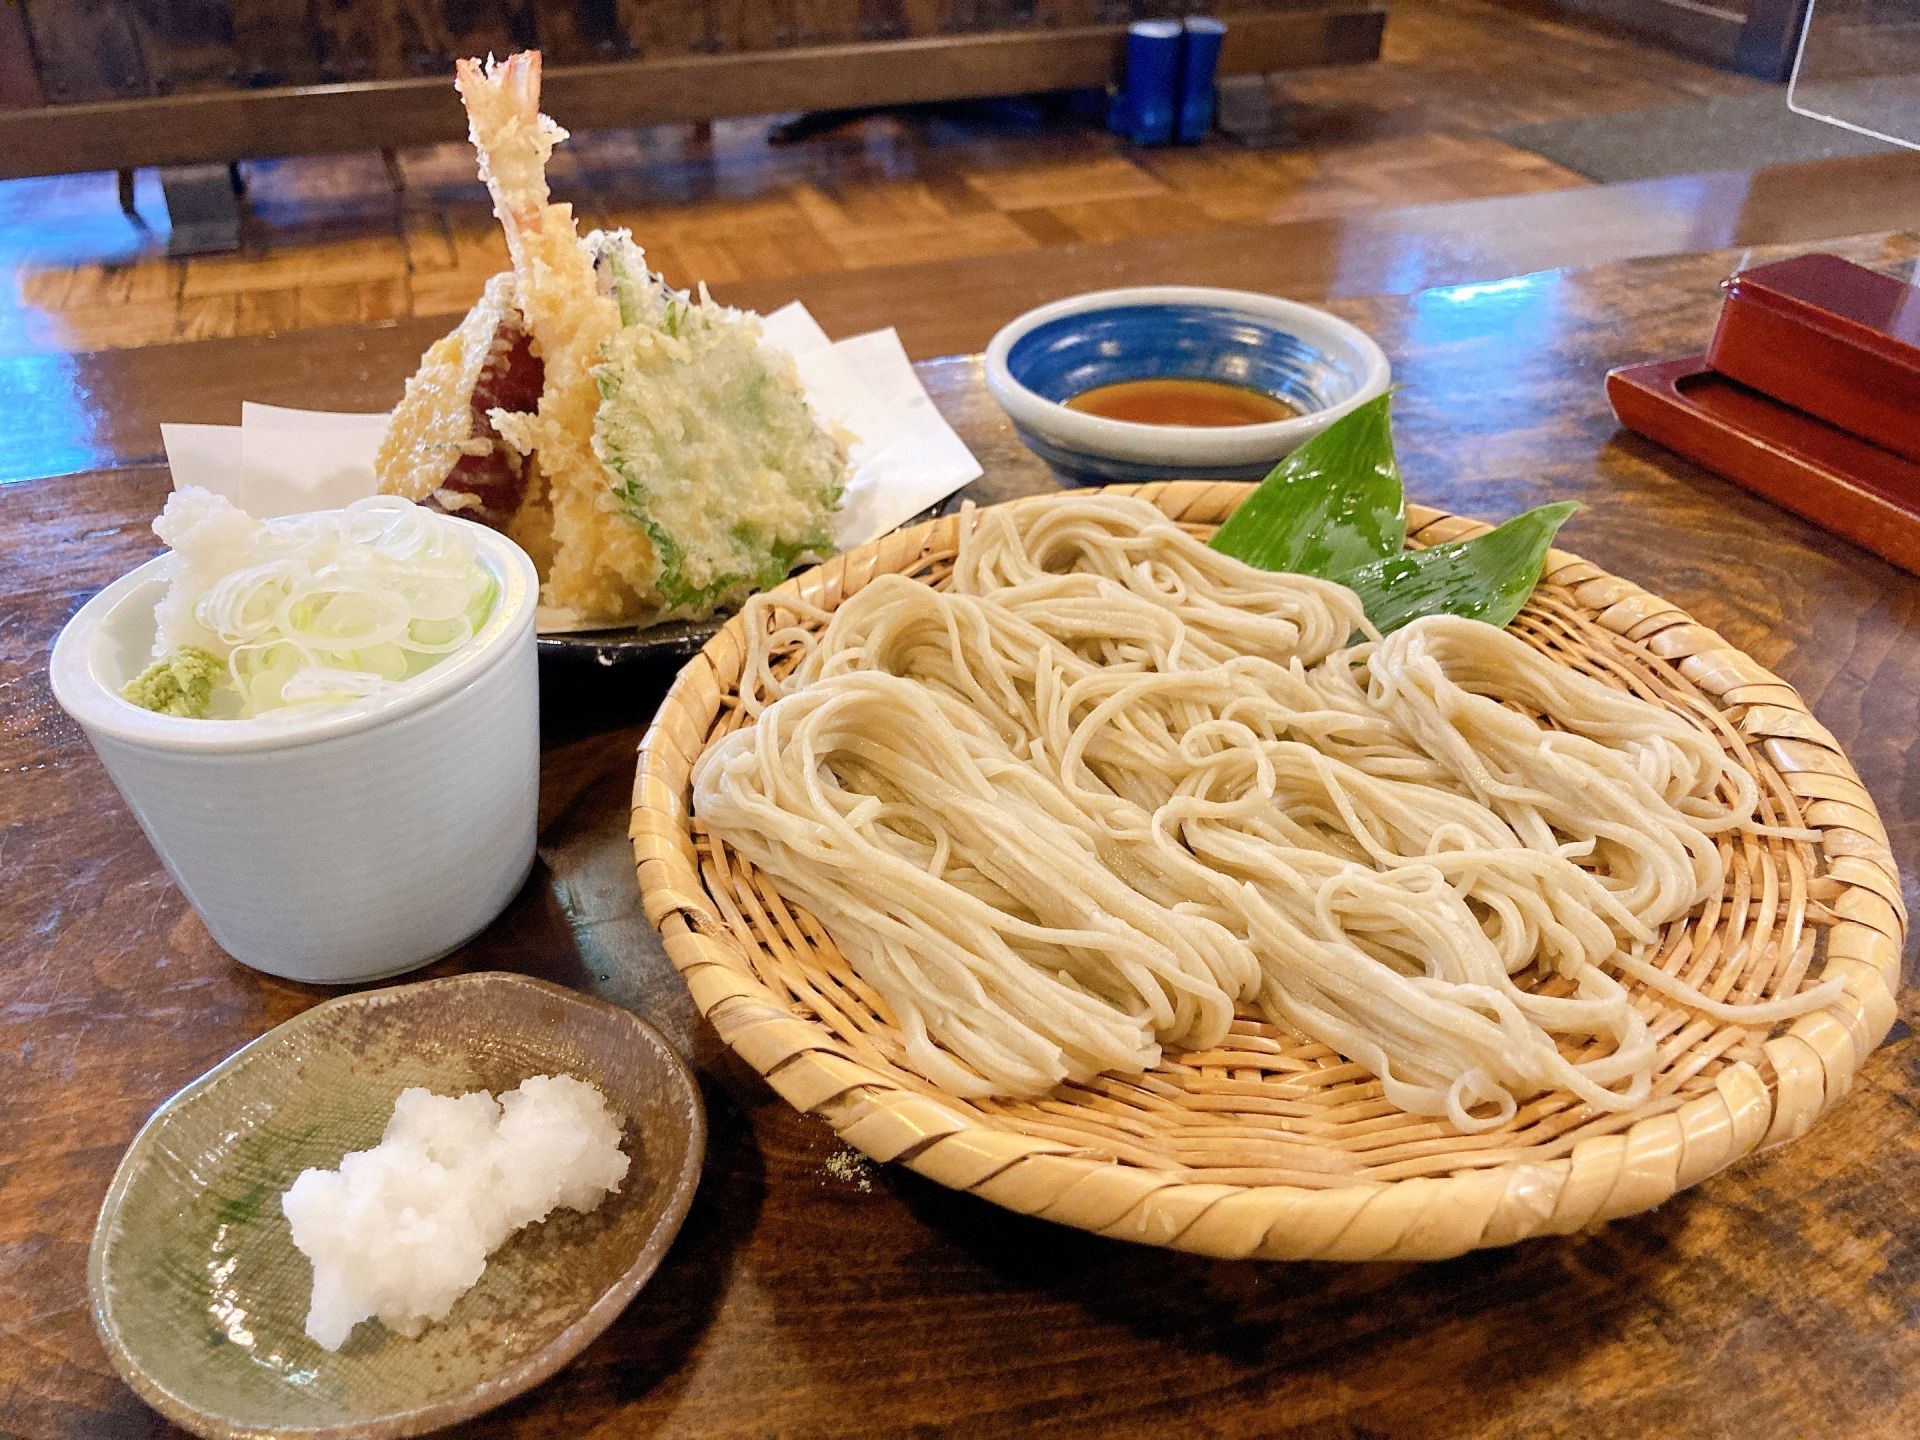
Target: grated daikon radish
x=402 y=1231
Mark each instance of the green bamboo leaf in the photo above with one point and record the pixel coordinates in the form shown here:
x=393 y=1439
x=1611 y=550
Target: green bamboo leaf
x=1488 y=577
x=1330 y=506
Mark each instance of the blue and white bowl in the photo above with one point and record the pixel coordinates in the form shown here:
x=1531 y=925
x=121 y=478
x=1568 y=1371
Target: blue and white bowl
x=1321 y=365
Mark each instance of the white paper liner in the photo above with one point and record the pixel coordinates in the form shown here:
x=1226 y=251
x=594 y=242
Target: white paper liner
x=903 y=455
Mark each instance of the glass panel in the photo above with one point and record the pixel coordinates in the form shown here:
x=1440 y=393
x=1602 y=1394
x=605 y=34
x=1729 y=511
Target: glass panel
x=1859 y=67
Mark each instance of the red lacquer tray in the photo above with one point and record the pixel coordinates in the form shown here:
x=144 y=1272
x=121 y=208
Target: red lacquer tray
x=1817 y=470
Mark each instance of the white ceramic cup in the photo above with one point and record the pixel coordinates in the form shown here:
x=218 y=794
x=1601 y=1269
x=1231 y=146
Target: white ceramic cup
x=333 y=843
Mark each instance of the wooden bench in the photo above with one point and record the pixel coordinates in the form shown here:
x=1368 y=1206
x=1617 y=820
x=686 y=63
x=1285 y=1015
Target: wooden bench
x=114 y=85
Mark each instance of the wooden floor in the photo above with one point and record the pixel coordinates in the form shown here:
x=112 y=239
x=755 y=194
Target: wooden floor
x=330 y=240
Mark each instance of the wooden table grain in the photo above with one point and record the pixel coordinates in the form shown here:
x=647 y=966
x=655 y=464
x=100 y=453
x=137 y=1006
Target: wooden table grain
x=1779 y=1299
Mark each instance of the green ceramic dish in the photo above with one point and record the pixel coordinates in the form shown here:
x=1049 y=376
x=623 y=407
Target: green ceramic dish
x=201 y=1298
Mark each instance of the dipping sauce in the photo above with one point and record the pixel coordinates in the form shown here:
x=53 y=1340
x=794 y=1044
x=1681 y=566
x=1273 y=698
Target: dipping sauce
x=1182 y=402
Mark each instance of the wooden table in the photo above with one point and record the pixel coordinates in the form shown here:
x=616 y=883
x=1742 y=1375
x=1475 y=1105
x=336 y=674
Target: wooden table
x=1779 y=1299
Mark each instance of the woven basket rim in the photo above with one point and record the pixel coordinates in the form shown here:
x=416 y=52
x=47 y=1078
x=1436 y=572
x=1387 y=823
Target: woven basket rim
x=1811 y=1061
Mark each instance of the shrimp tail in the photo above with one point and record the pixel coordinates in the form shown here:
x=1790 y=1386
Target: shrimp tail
x=512 y=138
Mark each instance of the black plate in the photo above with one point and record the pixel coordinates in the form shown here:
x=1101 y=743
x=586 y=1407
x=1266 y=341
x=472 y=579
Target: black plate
x=671 y=642
x=674 y=640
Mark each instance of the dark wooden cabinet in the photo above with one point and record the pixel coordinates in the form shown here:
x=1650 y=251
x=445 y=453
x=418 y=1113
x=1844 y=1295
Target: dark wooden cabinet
x=1757 y=37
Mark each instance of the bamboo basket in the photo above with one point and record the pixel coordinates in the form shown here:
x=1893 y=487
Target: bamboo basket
x=1271 y=1146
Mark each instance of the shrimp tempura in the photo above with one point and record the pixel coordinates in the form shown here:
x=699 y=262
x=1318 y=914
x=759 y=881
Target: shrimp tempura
x=603 y=565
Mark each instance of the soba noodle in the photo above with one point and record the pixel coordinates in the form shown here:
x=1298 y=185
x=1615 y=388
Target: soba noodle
x=1112 y=785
